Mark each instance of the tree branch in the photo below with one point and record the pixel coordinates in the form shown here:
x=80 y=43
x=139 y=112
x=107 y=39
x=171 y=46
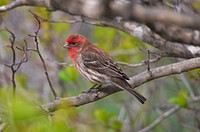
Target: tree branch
x=18 y=3
x=37 y=50
x=14 y=66
x=108 y=9
x=135 y=81
x=3 y=126
x=165 y=115
x=142 y=32
x=176 y=34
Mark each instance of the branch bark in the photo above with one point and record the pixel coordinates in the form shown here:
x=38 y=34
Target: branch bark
x=142 y=32
x=135 y=81
x=106 y=12
x=108 y=9
x=176 y=34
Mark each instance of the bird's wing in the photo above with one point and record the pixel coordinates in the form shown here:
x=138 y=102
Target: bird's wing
x=98 y=60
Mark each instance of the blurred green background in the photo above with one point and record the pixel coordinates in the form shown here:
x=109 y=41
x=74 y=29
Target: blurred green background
x=118 y=112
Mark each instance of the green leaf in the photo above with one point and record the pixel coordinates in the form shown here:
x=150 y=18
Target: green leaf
x=69 y=74
x=196 y=5
x=103 y=115
x=173 y=100
x=116 y=124
x=103 y=41
x=181 y=100
x=183 y=96
x=22 y=80
x=22 y=110
x=4 y=2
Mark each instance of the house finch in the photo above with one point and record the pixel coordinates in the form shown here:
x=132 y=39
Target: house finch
x=96 y=65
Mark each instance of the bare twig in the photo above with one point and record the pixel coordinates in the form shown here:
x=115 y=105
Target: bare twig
x=43 y=110
x=148 y=63
x=140 y=64
x=197 y=119
x=142 y=32
x=37 y=50
x=165 y=115
x=15 y=65
x=75 y=19
x=12 y=41
x=187 y=85
x=3 y=127
x=161 y=118
x=64 y=64
x=135 y=81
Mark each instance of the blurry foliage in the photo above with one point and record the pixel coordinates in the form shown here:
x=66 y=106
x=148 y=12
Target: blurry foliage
x=116 y=41
x=4 y=35
x=4 y=2
x=196 y=5
x=22 y=80
x=24 y=115
x=68 y=74
x=108 y=119
x=194 y=74
x=181 y=99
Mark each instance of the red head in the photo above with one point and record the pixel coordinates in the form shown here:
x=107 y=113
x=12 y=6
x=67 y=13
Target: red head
x=74 y=40
x=74 y=44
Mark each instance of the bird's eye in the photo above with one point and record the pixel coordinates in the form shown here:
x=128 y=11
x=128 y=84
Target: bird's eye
x=73 y=43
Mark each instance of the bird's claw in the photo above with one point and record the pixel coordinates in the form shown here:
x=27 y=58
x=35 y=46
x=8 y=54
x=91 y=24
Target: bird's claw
x=89 y=90
x=92 y=88
x=58 y=98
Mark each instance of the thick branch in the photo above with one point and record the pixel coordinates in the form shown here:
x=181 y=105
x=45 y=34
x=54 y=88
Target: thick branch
x=142 y=32
x=108 y=9
x=100 y=9
x=18 y=3
x=176 y=34
x=135 y=81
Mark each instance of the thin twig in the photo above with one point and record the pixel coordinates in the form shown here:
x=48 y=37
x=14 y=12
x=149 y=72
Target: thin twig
x=165 y=115
x=187 y=85
x=3 y=127
x=15 y=65
x=74 y=20
x=45 y=111
x=160 y=119
x=12 y=41
x=139 y=64
x=35 y=36
x=148 y=64
x=64 y=64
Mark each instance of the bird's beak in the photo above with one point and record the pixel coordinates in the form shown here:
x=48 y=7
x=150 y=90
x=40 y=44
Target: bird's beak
x=66 y=46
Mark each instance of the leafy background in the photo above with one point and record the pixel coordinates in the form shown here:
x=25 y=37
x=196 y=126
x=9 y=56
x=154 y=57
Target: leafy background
x=118 y=112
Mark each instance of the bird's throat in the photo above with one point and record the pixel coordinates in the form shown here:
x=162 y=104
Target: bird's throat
x=73 y=52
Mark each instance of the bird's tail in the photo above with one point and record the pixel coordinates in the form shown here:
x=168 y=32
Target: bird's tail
x=123 y=84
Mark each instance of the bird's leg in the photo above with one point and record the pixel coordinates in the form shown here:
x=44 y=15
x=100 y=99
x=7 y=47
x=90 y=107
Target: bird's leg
x=99 y=85
x=90 y=89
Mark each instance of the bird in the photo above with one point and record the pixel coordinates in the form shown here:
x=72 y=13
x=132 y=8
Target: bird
x=97 y=66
